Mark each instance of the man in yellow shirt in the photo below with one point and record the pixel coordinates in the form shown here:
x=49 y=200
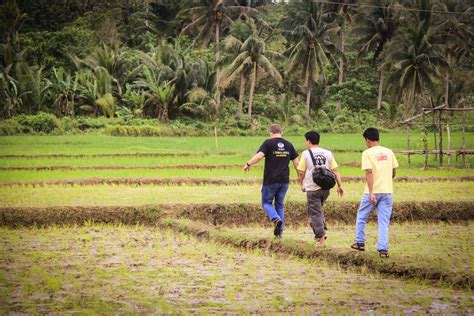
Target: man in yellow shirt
x=379 y=164
x=315 y=195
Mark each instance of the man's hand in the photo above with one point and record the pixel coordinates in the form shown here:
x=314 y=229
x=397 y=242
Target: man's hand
x=340 y=191
x=246 y=167
x=373 y=199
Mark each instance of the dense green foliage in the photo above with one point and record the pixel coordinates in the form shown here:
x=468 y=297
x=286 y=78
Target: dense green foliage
x=333 y=66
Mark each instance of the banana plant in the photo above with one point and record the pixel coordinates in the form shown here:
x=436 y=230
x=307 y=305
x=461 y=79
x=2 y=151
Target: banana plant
x=11 y=99
x=33 y=86
x=64 y=88
x=135 y=98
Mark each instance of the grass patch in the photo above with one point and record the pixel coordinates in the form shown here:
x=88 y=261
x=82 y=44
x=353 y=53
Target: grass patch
x=131 y=195
x=347 y=147
x=102 y=144
x=105 y=269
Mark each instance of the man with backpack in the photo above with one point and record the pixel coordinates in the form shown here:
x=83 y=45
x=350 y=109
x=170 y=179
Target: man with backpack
x=317 y=172
x=278 y=152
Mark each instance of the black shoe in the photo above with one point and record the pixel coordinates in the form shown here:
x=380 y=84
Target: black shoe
x=277 y=230
x=383 y=253
x=360 y=246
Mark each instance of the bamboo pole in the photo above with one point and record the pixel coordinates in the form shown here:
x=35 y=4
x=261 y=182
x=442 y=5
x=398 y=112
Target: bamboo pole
x=434 y=134
x=408 y=143
x=440 y=127
x=425 y=143
x=448 y=133
x=217 y=144
x=463 y=139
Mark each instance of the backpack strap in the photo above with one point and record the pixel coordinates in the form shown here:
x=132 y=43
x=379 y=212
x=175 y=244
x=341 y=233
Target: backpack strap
x=312 y=157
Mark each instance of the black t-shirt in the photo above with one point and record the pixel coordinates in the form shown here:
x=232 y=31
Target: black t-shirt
x=278 y=153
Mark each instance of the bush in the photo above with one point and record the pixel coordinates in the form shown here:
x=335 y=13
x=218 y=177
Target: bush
x=11 y=127
x=39 y=123
x=142 y=130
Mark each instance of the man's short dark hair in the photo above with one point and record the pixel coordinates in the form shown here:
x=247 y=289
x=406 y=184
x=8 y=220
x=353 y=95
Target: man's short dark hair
x=275 y=129
x=371 y=134
x=313 y=137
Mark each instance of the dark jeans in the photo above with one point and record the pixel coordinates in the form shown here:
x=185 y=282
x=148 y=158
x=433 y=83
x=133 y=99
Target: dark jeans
x=315 y=211
x=274 y=192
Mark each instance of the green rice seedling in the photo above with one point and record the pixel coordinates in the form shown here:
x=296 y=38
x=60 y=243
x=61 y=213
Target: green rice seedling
x=125 y=195
x=196 y=276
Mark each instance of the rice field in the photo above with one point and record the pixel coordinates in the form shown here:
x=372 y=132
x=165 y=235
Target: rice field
x=180 y=266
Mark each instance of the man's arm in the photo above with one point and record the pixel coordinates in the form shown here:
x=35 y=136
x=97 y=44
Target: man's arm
x=369 y=177
x=340 y=190
x=300 y=176
x=258 y=156
x=394 y=172
x=296 y=162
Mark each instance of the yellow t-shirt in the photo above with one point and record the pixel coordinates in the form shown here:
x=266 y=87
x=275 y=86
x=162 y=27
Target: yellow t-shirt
x=381 y=160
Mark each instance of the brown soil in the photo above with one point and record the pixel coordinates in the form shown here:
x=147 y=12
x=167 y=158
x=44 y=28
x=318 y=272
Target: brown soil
x=343 y=212
x=228 y=214
x=203 y=181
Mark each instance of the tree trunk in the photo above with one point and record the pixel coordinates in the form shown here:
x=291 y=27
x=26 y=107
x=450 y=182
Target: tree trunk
x=341 y=60
x=241 y=95
x=446 y=84
x=379 y=98
x=309 y=88
x=218 y=73
x=253 y=79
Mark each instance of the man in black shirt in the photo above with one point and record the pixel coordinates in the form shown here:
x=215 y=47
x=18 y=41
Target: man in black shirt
x=276 y=176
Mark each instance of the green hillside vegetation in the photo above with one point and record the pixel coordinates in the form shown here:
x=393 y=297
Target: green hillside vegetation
x=161 y=68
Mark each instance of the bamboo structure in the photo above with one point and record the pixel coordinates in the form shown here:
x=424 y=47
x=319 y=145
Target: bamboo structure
x=438 y=145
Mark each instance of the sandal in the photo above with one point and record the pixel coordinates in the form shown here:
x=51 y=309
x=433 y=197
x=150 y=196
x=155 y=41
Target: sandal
x=360 y=246
x=383 y=253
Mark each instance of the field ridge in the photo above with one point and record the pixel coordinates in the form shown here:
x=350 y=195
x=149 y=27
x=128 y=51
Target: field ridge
x=346 y=259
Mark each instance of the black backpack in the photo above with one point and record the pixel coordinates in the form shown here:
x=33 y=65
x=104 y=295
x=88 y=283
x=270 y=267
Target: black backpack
x=322 y=176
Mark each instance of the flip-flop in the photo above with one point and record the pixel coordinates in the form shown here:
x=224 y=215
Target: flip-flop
x=358 y=246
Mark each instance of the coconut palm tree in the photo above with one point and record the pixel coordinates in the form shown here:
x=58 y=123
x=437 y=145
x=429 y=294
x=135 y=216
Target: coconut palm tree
x=200 y=103
x=116 y=61
x=211 y=18
x=415 y=62
x=456 y=32
x=233 y=43
x=312 y=43
x=95 y=92
x=376 y=26
x=342 y=12
x=160 y=95
x=253 y=61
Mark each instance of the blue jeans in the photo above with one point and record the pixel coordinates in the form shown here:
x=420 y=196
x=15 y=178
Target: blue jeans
x=384 y=211
x=274 y=192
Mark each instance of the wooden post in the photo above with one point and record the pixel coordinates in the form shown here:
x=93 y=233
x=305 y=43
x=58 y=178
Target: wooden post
x=408 y=142
x=449 y=144
x=440 y=127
